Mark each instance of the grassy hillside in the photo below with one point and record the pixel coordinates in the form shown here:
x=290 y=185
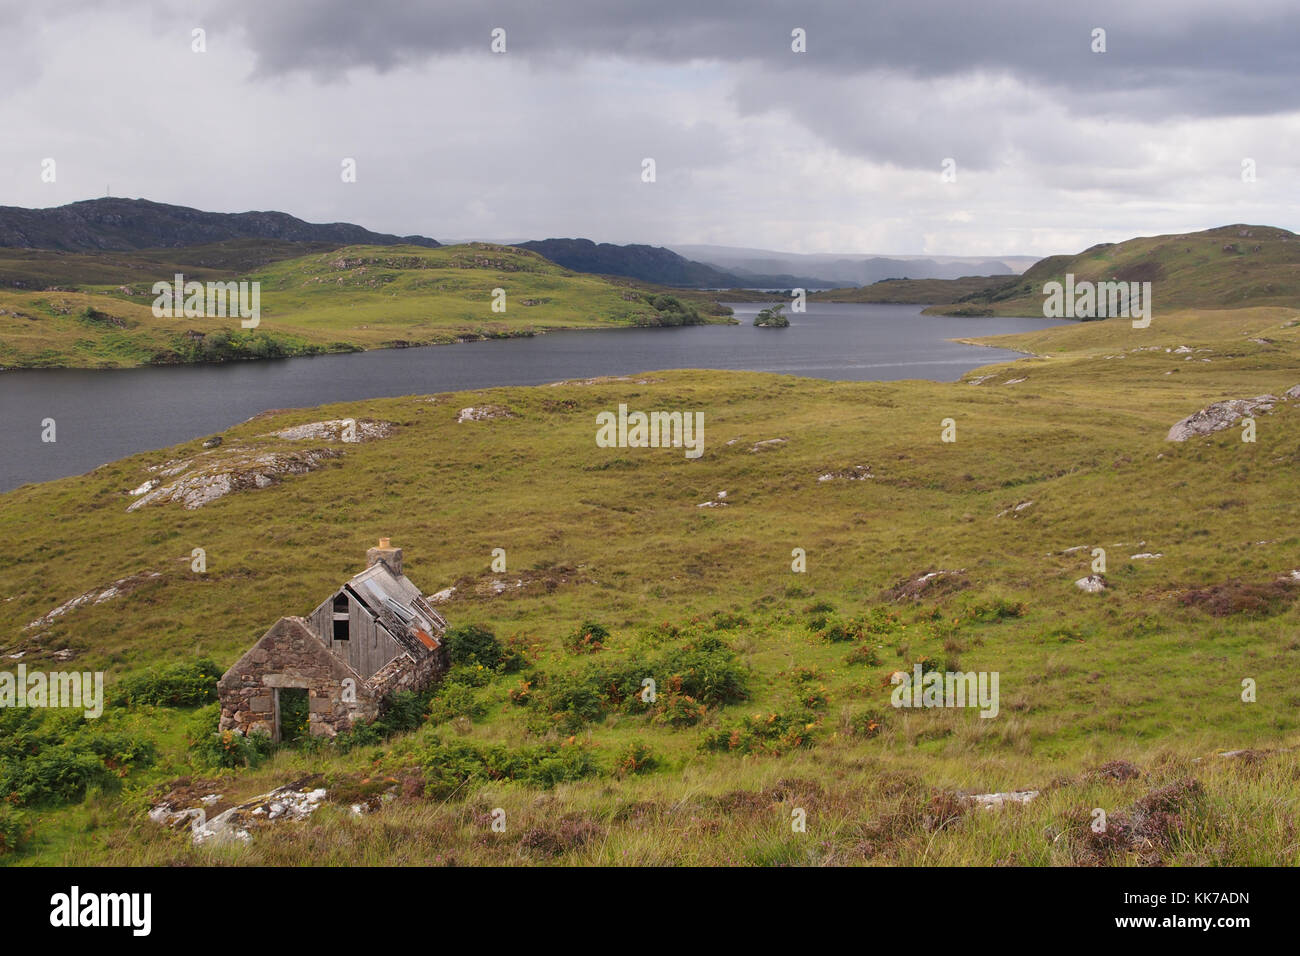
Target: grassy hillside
x=1230 y=267
x=914 y=291
x=356 y=297
x=774 y=685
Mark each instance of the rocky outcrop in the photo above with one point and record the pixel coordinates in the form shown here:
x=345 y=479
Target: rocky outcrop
x=203 y=479
x=337 y=429
x=856 y=473
x=295 y=801
x=990 y=801
x=1221 y=415
x=96 y=596
x=928 y=584
x=483 y=413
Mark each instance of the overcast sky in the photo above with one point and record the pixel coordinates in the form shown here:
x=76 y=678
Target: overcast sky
x=837 y=149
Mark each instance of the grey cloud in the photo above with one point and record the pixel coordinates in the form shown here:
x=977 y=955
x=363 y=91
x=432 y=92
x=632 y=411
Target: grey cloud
x=1167 y=57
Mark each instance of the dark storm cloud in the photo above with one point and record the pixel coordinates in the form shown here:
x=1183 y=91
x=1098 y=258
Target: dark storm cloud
x=1180 y=58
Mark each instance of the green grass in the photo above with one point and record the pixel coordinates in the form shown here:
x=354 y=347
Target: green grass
x=614 y=536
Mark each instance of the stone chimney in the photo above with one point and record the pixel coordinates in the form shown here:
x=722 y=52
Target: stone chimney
x=386 y=553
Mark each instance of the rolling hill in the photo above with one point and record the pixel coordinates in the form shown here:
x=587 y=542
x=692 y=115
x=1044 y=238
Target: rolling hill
x=1223 y=268
x=352 y=298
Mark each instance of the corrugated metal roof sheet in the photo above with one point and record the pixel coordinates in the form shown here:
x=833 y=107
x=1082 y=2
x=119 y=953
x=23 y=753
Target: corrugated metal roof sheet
x=398 y=599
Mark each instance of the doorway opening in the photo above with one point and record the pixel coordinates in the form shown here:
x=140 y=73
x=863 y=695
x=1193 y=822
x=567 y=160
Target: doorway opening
x=292 y=707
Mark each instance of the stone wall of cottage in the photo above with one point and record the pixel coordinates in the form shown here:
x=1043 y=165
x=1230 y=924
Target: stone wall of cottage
x=290 y=655
x=402 y=673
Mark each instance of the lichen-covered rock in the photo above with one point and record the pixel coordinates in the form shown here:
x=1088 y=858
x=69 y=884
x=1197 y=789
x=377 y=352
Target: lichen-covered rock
x=1092 y=584
x=206 y=479
x=96 y=596
x=481 y=413
x=1219 y=416
x=856 y=473
x=349 y=430
x=989 y=801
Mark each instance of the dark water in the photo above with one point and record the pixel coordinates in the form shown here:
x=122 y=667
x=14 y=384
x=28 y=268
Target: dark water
x=105 y=415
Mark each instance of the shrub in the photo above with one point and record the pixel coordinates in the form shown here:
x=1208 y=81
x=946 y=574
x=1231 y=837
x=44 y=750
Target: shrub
x=587 y=639
x=185 y=684
x=726 y=621
x=772 y=733
x=456 y=700
x=679 y=710
x=705 y=669
x=59 y=774
x=450 y=766
x=49 y=758
x=635 y=758
x=866 y=724
x=229 y=749
x=512 y=656
x=403 y=711
x=819 y=614
x=672 y=311
x=881 y=620
x=928 y=664
x=997 y=609
x=838 y=630
x=211 y=748
x=522 y=695
x=15 y=831
x=122 y=751
x=547 y=766
x=579 y=693
x=863 y=654
x=473 y=644
x=812 y=698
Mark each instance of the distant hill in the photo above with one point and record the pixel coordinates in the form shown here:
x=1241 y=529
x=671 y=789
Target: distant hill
x=1223 y=268
x=128 y=224
x=651 y=263
x=837 y=271
x=657 y=265
x=915 y=291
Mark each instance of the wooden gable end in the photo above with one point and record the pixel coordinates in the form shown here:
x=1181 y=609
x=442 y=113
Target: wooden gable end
x=364 y=643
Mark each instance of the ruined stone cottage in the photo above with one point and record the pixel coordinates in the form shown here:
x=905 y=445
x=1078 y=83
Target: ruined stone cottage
x=374 y=636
